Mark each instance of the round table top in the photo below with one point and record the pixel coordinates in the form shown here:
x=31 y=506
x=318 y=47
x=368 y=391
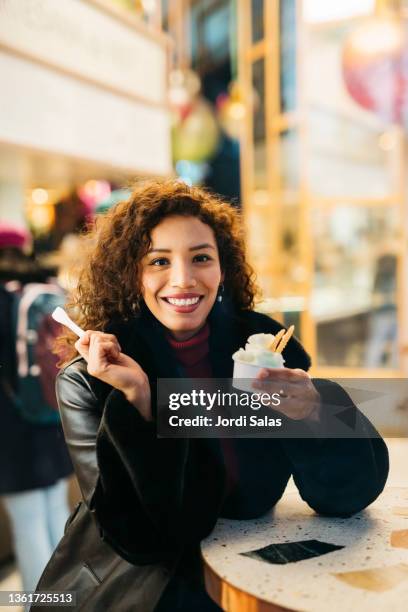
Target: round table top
x=369 y=573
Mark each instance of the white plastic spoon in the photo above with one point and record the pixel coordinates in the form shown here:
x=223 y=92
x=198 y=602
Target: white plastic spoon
x=61 y=316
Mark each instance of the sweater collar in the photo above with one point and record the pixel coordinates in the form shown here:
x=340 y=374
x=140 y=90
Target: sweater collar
x=192 y=351
x=196 y=340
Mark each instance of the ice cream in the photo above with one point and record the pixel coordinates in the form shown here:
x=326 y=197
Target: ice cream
x=257 y=352
x=261 y=351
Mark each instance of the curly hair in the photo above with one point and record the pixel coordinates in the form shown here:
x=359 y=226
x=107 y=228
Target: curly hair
x=109 y=286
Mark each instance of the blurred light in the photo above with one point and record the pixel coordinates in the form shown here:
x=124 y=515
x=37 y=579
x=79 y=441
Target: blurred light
x=231 y=110
x=231 y=114
x=39 y=196
x=386 y=141
x=318 y=11
x=237 y=111
x=195 y=135
x=383 y=36
x=374 y=60
x=118 y=195
x=41 y=218
x=94 y=191
x=190 y=172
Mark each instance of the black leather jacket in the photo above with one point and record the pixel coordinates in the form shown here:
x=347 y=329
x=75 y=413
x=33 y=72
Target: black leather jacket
x=148 y=502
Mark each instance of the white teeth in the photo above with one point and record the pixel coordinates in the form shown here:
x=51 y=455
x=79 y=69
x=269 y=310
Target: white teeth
x=188 y=302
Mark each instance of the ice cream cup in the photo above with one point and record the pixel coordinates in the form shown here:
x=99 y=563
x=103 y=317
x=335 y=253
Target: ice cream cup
x=245 y=372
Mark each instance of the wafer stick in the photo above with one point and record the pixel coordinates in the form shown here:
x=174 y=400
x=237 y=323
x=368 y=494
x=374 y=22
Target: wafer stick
x=285 y=339
x=276 y=340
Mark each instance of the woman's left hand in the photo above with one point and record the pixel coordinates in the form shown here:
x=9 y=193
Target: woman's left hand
x=299 y=399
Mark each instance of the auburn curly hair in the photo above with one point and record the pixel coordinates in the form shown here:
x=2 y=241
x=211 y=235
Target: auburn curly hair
x=109 y=285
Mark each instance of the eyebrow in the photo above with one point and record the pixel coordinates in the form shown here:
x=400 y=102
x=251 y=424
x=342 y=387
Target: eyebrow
x=198 y=247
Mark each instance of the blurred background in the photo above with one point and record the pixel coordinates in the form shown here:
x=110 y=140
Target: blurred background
x=296 y=111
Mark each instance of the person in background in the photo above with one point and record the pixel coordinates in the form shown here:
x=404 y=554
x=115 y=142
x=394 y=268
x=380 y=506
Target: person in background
x=34 y=462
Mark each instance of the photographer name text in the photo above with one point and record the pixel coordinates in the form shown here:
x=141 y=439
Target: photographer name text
x=241 y=421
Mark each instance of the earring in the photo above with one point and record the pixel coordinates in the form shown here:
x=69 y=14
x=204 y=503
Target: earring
x=220 y=292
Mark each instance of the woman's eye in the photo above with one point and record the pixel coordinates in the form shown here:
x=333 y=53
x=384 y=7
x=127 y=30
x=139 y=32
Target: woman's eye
x=202 y=258
x=164 y=261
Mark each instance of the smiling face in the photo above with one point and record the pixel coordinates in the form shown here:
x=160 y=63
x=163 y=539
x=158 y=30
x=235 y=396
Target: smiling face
x=181 y=274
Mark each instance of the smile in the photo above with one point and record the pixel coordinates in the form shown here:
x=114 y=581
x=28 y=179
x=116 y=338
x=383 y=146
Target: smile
x=183 y=304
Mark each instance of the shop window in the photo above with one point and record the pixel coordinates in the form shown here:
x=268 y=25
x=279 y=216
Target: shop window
x=287 y=58
x=354 y=298
x=259 y=127
x=257 y=20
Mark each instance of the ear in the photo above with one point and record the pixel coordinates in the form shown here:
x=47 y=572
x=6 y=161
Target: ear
x=222 y=276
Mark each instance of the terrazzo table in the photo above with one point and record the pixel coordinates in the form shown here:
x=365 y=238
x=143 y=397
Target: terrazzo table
x=334 y=581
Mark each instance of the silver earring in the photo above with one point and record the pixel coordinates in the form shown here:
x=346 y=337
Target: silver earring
x=220 y=292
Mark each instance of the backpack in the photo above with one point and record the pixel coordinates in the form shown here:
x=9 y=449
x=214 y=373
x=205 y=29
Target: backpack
x=35 y=331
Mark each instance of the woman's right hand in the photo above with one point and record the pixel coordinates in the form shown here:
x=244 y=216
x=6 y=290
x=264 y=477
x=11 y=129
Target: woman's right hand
x=107 y=362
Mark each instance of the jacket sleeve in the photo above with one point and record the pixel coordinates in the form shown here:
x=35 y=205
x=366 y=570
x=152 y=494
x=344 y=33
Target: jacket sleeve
x=80 y=417
x=139 y=488
x=338 y=476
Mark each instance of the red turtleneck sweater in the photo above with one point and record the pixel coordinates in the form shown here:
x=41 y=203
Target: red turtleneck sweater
x=193 y=353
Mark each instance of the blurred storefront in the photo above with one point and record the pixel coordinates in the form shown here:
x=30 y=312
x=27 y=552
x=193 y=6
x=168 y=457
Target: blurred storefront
x=295 y=110
x=315 y=94
x=83 y=104
x=323 y=166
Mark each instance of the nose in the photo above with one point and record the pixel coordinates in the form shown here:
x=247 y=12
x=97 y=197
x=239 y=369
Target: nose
x=182 y=275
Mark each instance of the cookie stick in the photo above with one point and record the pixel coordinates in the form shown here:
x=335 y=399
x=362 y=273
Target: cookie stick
x=276 y=340
x=285 y=339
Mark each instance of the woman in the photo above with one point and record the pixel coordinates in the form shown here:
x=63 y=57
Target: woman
x=149 y=295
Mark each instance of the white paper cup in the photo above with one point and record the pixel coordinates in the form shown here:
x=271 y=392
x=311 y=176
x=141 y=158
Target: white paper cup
x=244 y=372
